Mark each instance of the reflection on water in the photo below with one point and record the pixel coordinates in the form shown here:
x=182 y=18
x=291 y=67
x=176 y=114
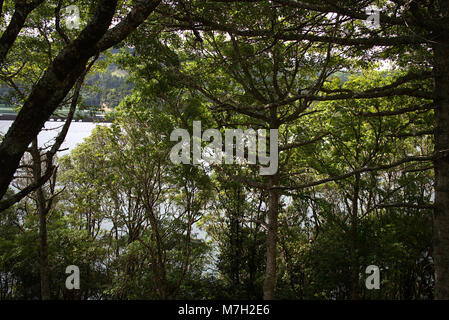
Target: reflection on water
x=77 y=132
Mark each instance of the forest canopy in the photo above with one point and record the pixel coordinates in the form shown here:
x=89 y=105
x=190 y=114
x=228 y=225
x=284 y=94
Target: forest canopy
x=349 y=100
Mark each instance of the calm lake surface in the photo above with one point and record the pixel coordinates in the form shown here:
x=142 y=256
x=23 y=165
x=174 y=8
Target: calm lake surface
x=77 y=133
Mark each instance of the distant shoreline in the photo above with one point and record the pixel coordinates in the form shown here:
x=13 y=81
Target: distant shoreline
x=12 y=117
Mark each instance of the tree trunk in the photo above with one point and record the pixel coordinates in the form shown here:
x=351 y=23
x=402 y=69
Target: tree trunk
x=441 y=169
x=60 y=77
x=235 y=240
x=43 y=258
x=355 y=265
x=18 y=19
x=273 y=211
x=42 y=210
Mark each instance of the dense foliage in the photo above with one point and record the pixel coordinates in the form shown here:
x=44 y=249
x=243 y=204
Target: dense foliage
x=354 y=187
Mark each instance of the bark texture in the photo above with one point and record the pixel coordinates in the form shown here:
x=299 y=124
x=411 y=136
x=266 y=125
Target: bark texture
x=21 y=11
x=42 y=209
x=441 y=165
x=51 y=89
x=273 y=213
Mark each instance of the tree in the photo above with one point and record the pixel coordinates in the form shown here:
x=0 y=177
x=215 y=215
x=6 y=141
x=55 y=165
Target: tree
x=408 y=31
x=236 y=225
x=274 y=80
x=353 y=184
x=151 y=204
x=61 y=75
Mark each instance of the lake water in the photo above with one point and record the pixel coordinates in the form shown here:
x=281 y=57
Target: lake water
x=78 y=131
